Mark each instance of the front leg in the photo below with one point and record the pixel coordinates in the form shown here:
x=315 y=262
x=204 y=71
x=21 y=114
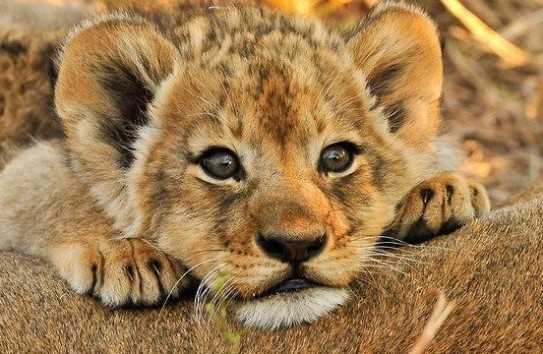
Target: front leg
x=119 y=272
x=438 y=206
x=47 y=212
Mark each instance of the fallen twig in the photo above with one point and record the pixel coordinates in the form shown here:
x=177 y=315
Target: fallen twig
x=512 y=55
x=441 y=311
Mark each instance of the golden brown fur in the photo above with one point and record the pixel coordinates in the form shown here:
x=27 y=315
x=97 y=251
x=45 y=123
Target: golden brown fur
x=491 y=269
x=151 y=107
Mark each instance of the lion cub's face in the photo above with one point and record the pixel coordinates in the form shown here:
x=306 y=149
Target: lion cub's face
x=277 y=183
x=253 y=146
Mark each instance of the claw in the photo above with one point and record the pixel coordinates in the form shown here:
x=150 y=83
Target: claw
x=155 y=265
x=128 y=273
x=448 y=202
x=426 y=195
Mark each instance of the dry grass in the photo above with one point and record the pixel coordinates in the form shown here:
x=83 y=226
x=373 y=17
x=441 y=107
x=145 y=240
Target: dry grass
x=442 y=310
x=493 y=104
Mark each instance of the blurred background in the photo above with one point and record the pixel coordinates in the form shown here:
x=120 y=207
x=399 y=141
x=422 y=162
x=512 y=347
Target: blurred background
x=493 y=94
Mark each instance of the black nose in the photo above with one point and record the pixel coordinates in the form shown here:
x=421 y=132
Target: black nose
x=277 y=246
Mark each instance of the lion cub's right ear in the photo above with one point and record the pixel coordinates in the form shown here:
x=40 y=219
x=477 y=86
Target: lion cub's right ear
x=397 y=47
x=109 y=74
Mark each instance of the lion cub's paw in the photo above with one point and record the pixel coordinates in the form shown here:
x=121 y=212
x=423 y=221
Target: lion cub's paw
x=120 y=272
x=439 y=206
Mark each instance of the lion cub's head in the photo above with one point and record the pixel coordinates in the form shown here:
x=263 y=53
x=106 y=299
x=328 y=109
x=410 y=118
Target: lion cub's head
x=255 y=145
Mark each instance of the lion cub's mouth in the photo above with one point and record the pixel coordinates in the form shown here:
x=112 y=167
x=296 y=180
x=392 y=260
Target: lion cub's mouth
x=290 y=285
x=290 y=302
x=295 y=299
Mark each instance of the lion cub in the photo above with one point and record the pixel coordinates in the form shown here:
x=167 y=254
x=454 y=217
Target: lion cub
x=242 y=144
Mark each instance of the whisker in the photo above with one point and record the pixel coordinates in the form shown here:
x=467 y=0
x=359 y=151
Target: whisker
x=403 y=261
x=204 y=288
x=181 y=278
x=229 y=295
x=403 y=258
x=364 y=281
x=402 y=243
x=220 y=297
x=351 y=290
x=203 y=285
x=384 y=265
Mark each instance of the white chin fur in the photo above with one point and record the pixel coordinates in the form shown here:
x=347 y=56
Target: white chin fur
x=287 y=309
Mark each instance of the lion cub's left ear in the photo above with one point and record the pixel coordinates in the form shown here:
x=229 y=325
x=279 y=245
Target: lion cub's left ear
x=397 y=47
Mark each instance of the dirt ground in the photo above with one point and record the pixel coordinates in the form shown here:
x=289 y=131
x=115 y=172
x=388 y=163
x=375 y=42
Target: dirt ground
x=493 y=94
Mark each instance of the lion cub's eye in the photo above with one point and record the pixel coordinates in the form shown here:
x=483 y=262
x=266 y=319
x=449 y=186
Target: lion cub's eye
x=337 y=157
x=220 y=163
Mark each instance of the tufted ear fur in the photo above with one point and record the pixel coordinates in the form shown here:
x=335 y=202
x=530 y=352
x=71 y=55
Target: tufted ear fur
x=397 y=47
x=109 y=74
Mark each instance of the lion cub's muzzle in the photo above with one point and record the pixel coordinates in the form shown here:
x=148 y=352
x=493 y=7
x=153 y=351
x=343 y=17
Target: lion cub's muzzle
x=297 y=297
x=294 y=251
